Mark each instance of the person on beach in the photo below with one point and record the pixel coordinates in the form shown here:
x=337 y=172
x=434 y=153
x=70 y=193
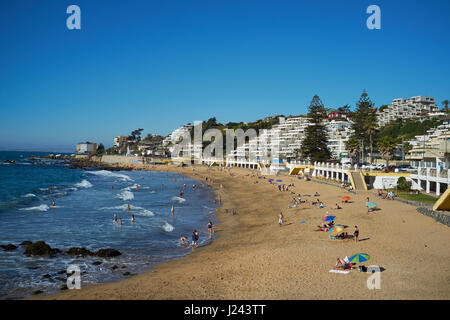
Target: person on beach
x=356 y=233
x=132 y=218
x=210 y=227
x=337 y=207
x=194 y=239
x=280 y=219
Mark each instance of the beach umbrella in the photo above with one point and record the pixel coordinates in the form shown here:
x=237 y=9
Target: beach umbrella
x=336 y=229
x=328 y=218
x=371 y=204
x=345 y=198
x=359 y=257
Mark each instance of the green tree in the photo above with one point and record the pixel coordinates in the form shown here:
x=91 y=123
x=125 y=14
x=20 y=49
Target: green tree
x=352 y=146
x=314 y=146
x=365 y=122
x=387 y=147
x=100 y=149
x=407 y=147
x=445 y=103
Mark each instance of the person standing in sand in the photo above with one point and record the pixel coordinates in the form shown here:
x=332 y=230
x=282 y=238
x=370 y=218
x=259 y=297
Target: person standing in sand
x=280 y=218
x=356 y=233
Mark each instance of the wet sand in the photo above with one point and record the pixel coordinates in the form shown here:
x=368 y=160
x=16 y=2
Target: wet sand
x=255 y=258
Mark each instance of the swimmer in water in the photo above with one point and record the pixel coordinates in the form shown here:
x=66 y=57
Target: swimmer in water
x=181 y=194
x=137 y=187
x=173 y=211
x=53 y=203
x=132 y=218
x=183 y=240
x=120 y=220
x=115 y=218
x=112 y=187
x=128 y=207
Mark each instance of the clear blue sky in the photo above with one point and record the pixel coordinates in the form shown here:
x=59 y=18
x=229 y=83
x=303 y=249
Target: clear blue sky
x=159 y=64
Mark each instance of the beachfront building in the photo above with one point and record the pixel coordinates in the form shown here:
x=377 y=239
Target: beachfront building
x=119 y=141
x=86 y=148
x=415 y=108
x=431 y=150
x=284 y=141
x=339 y=131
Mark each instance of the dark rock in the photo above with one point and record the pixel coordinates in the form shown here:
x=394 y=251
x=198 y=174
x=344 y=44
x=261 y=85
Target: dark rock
x=63 y=287
x=126 y=273
x=8 y=247
x=25 y=243
x=107 y=253
x=79 y=252
x=46 y=276
x=97 y=263
x=38 y=292
x=61 y=271
x=114 y=267
x=61 y=279
x=123 y=267
x=40 y=248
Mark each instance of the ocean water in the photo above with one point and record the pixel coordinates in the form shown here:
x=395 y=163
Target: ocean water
x=85 y=202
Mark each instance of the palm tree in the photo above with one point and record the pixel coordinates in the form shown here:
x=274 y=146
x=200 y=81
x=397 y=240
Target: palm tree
x=387 y=147
x=445 y=103
x=352 y=146
x=371 y=127
x=407 y=147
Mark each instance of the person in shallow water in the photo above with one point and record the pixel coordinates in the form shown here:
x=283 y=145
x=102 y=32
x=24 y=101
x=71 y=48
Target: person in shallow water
x=132 y=218
x=53 y=203
x=115 y=218
x=128 y=207
x=173 y=211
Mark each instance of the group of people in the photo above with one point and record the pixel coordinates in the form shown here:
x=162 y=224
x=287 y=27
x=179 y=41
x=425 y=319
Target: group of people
x=119 y=220
x=195 y=236
x=390 y=195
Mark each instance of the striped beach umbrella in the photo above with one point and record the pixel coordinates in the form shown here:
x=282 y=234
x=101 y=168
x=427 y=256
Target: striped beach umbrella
x=359 y=257
x=336 y=229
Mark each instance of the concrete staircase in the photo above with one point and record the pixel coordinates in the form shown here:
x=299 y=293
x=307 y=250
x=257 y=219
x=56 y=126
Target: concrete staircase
x=358 y=181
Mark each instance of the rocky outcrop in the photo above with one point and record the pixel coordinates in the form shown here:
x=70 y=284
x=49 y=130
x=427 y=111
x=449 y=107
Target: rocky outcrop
x=40 y=248
x=107 y=253
x=8 y=247
x=25 y=243
x=79 y=252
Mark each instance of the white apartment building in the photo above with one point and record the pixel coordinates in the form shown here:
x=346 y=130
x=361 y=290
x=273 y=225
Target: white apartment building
x=413 y=108
x=285 y=139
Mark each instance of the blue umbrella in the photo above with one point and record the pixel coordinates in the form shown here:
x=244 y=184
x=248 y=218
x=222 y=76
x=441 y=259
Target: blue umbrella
x=279 y=180
x=328 y=218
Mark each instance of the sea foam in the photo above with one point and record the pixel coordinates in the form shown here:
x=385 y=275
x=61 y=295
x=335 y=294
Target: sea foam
x=134 y=210
x=167 y=227
x=106 y=173
x=42 y=207
x=126 y=195
x=179 y=199
x=83 y=184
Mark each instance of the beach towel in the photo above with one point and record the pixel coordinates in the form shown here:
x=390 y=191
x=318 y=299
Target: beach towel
x=339 y=271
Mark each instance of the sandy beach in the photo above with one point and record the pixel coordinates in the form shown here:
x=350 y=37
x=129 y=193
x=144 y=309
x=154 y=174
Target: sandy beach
x=255 y=258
